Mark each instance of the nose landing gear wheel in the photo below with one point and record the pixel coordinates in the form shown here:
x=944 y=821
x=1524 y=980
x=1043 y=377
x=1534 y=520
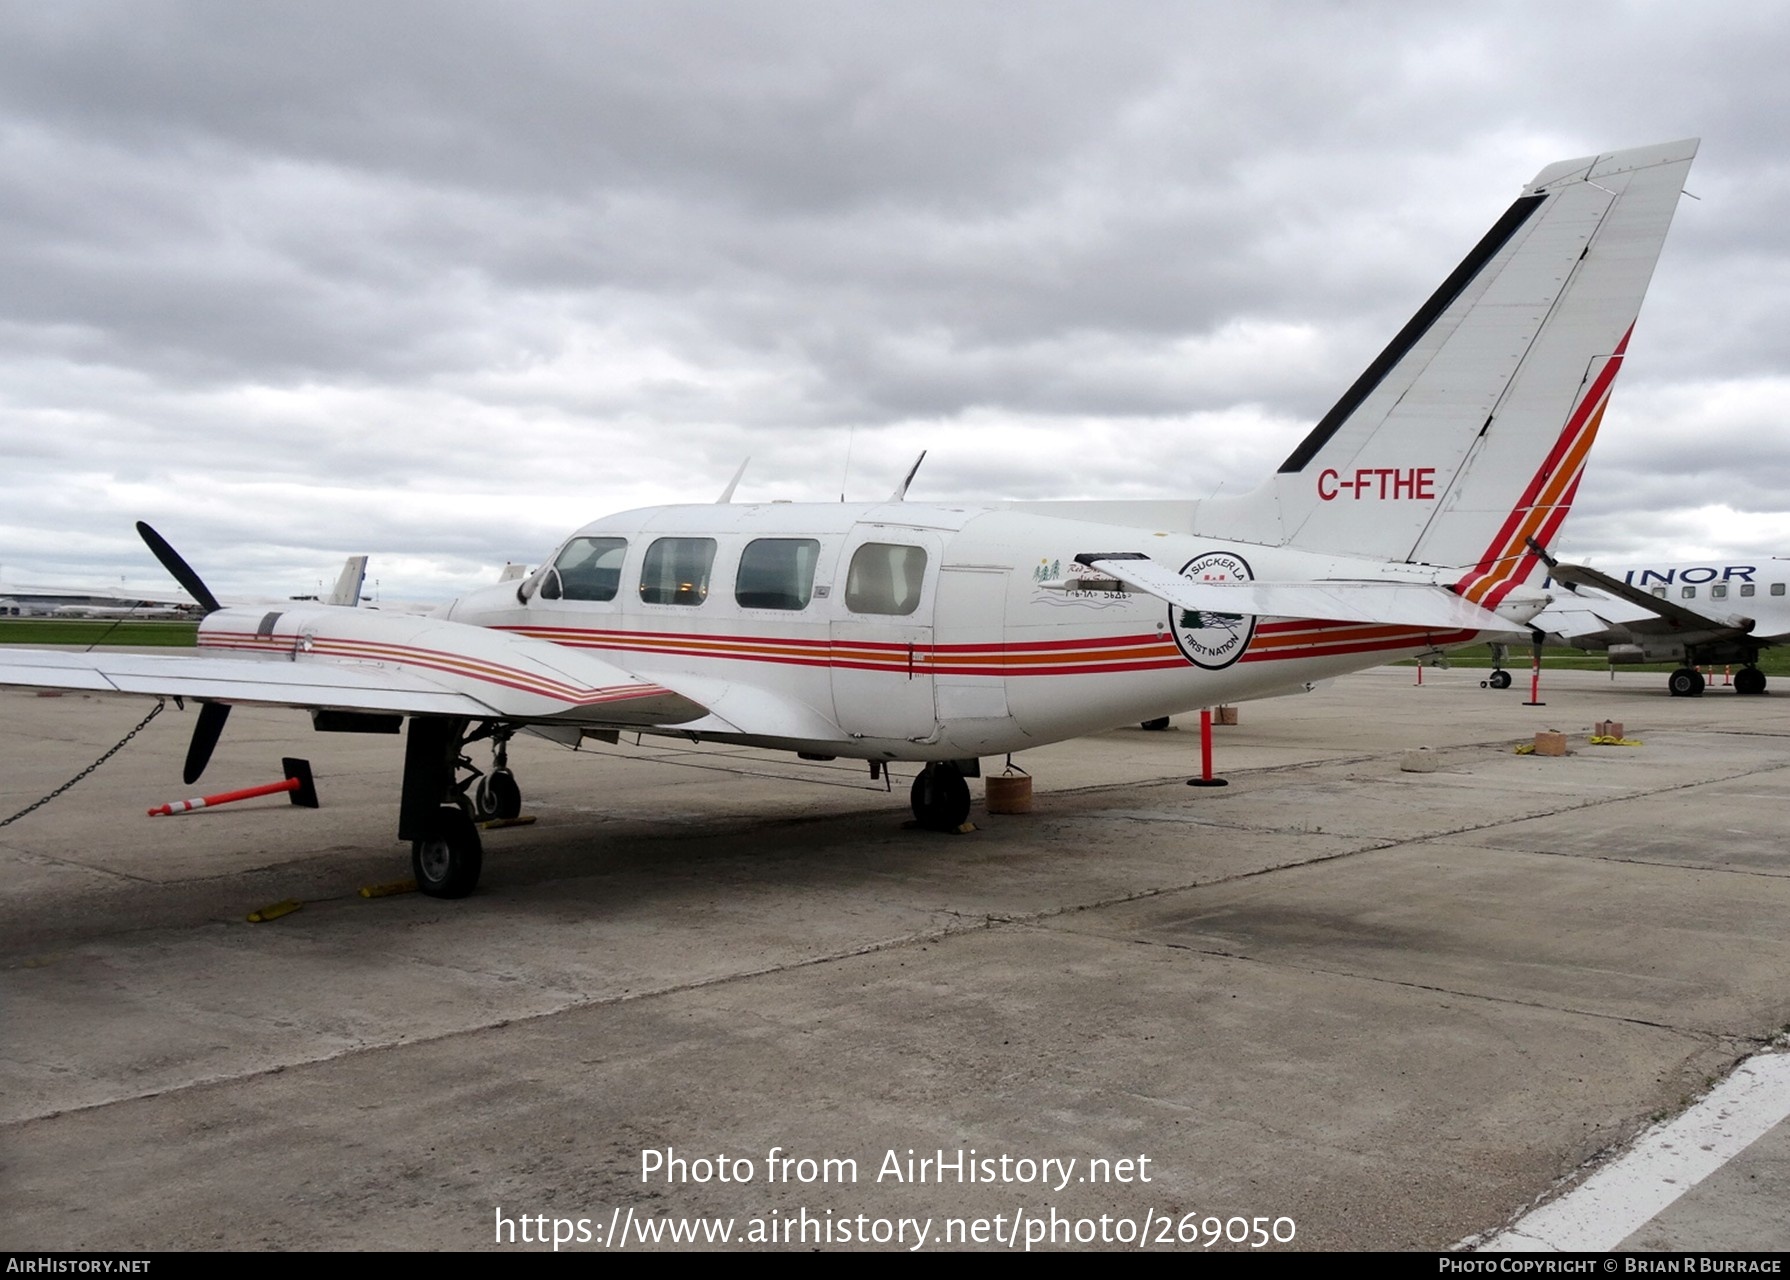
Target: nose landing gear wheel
x=1161 y=722
x=497 y=796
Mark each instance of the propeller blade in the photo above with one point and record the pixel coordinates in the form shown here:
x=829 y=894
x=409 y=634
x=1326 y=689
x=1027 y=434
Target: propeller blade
x=205 y=739
x=182 y=572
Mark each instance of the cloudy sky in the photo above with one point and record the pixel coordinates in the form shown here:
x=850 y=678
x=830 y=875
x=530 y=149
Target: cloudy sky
x=440 y=281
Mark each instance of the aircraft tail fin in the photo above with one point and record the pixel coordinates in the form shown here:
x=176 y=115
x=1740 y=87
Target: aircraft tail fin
x=348 y=585
x=1466 y=438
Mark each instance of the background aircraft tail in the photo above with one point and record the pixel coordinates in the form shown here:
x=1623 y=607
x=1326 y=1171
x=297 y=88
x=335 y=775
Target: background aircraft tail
x=348 y=585
x=1467 y=436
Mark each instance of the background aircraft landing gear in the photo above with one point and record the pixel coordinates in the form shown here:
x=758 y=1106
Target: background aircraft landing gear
x=1749 y=681
x=447 y=857
x=1686 y=682
x=1500 y=678
x=1160 y=722
x=940 y=797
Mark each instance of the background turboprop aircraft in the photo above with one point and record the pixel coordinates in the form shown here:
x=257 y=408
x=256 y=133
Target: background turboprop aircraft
x=98 y=602
x=1413 y=517
x=1690 y=613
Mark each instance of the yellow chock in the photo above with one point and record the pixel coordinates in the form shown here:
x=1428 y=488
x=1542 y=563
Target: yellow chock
x=1526 y=749
x=387 y=890
x=1607 y=741
x=275 y=911
x=495 y=823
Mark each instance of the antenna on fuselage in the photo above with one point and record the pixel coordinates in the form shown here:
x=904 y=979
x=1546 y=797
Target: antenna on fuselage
x=727 y=493
x=901 y=489
x=851 y=438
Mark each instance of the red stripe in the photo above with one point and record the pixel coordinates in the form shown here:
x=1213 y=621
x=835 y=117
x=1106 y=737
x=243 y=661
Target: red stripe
x=1500 y=548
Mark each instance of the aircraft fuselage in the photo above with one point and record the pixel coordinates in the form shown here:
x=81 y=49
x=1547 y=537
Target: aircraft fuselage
x=906 y=631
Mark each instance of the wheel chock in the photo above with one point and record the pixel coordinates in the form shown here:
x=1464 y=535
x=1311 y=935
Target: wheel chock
x=275 y=911
x=388 y=889
x=301 y=789
x=492 y=824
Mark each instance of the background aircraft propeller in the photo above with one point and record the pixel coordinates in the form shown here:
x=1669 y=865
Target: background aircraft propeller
x=212 y=715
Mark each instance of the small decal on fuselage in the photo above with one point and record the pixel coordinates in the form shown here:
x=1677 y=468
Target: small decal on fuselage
x=1207 y=639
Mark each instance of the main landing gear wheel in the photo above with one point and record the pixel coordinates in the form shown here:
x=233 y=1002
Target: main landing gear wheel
x=1686 y=682
x=1160 y=722
x=1749 y=681
x=940 y=798
x=498 y=796
x=447 y=859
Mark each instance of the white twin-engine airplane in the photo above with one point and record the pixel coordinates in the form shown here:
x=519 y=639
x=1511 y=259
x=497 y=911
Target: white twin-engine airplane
x=1406 y=522
x=1709 y=612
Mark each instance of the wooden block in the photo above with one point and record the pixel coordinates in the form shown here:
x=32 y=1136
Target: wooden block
x=1224 y=715
x=1550 y=742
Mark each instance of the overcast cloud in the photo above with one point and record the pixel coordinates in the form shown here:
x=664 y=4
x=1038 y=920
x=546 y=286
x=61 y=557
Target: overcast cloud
x=440 y=281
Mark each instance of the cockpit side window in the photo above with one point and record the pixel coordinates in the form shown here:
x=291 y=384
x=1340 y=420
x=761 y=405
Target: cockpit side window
x=588 y=569
x=677 y=571
x=885 y=578
x=776 y=573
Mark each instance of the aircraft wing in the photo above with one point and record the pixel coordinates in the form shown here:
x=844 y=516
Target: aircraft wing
x=245 y=680
x=318 y=657
x=1410 y=604
x=1676 y=616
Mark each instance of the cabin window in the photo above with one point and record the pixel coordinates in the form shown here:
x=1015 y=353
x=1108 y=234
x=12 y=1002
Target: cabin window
x=1746 y=588
x=885 y=578
x=776 y=573
x=1660 y=592
x=588 y=569
x=1719 y=591
x=677 y=571
x=1777 y=588
x=1690 y=593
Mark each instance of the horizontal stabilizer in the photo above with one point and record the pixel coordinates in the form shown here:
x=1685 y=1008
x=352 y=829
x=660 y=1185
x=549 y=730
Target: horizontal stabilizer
x=1407 y=604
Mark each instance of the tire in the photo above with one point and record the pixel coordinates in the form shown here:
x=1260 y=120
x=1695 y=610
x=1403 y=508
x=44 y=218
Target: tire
x=447 y=859
x=1161 y=722
x=1500 y=679
x=1749 y=682
x=940 y=798
x=1686 y=682
x=505 y=795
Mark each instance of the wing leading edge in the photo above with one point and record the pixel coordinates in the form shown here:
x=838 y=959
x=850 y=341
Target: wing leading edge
x=356 y=660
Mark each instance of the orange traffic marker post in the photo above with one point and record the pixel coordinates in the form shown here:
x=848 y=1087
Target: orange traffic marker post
x=299 y=786
x=1535 y=683
x=1206 y=779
